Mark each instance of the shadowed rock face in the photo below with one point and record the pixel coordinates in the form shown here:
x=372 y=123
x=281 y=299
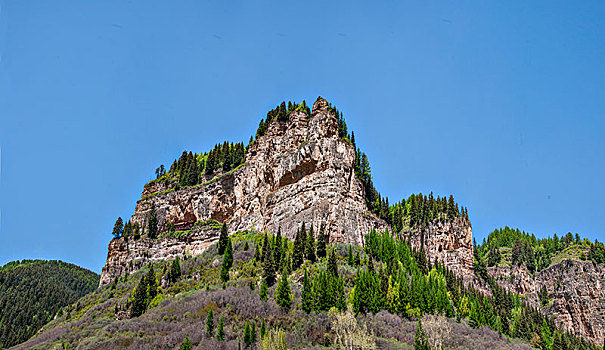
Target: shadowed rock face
x=576 y=290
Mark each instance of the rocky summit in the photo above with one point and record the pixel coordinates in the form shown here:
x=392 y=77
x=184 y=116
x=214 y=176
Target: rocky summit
x=299 y=171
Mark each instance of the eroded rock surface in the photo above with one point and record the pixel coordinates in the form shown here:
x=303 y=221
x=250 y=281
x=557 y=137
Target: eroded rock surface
x=575 y=289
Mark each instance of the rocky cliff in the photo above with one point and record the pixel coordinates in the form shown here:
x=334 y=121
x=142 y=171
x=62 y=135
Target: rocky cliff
x=299 y=171
x=576 y=291
x=448 y=242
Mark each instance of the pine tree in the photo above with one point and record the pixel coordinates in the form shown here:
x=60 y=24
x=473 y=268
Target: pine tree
x=139 y=298
x=262 y=328
x=263 y=291
x=186 y=343
x=350 y=256
x=306 y=295
x=310 y=246
x=118 y=228
x=332 y=263
x=253 y=333
x=210 y=324
x=175 y=270
x=321 y=242
x=152 y=285
x=298 y=253
x=283 y=296
x=269 y=269
x=220 y=332
x=222 y=240
x=152 y=223
x=247 y=334
x=420 y=340
x=277 y=249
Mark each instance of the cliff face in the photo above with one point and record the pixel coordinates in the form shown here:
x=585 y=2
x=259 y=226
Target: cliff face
x=449 y=242
x=127 y=256
x=300 y=171
x=576 y=290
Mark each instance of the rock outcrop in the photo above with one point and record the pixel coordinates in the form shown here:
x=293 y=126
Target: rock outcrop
x=300 y=171
x=128 y=255
x=576 y=291
x=448 y=242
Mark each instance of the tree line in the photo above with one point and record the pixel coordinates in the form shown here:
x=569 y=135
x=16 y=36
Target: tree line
x=281 y=113
x=536 y=254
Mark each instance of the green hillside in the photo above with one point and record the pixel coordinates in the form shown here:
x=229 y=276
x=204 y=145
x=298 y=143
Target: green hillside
x=267 y=292
x=33 y=291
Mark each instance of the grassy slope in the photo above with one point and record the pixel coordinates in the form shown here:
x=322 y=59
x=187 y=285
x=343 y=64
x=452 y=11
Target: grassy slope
x=99 y=320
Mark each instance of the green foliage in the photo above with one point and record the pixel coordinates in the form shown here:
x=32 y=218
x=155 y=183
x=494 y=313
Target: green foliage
x=118 y=228
x=306 y=294
x=175 y=270
x=332 y=265
x=298 y=253
x=263 y=291
x=227 y=261
x=268 y=266
x=283 y=294
x=310 y=246
x=537 y=254
x=322 y=242
x=220 y=332
x=32 y=292
x=152 y=223
x=210 y=324
x=281 y=113
x=144 y=293
x=186 y=344
x=420 y=340
x=222 y=240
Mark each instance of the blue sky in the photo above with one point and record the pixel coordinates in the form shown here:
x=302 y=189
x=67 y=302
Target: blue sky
x=498 y=103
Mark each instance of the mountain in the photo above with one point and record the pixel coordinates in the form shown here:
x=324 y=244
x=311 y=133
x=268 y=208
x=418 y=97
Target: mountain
x=302 y=166
x=289 y=231
x=33 y=291
x=564 y=277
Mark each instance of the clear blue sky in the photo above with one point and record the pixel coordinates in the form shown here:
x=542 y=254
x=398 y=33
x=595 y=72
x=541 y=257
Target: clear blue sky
x=499 y=103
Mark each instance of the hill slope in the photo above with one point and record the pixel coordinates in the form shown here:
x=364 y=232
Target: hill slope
x=183 y=297
x=33 y=291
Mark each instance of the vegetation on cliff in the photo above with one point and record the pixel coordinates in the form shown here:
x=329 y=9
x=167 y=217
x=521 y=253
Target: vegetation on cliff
x=32 y=292
x=513 y=246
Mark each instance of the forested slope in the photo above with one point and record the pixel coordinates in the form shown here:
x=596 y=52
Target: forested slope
x=33 y=291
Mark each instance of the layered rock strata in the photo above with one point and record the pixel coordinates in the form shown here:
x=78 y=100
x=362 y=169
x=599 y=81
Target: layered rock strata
x=576 y=291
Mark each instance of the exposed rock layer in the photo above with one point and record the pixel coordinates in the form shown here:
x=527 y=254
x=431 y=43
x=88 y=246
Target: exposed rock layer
x=576 y=290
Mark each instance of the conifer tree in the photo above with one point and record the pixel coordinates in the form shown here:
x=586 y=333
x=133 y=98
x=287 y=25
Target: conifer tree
x=321 y=242
x=262 y=328
x=139 y=299
x=253 y=333
x=220 y=332
x=263 y=291
x=306 y=295
x=118 y=228
x=277 y=249
x=269 y=268
x=227 y=261
x=350 y=256
x=332 y=263
x=420 y=340
x=298 y=251
x=186 y=343
x=152 y=223
x=152 y=285
x=210 y=324
x=283 y=296
x=310 y=246
x=175 y=270
x=247 y=334
x=222 y=240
